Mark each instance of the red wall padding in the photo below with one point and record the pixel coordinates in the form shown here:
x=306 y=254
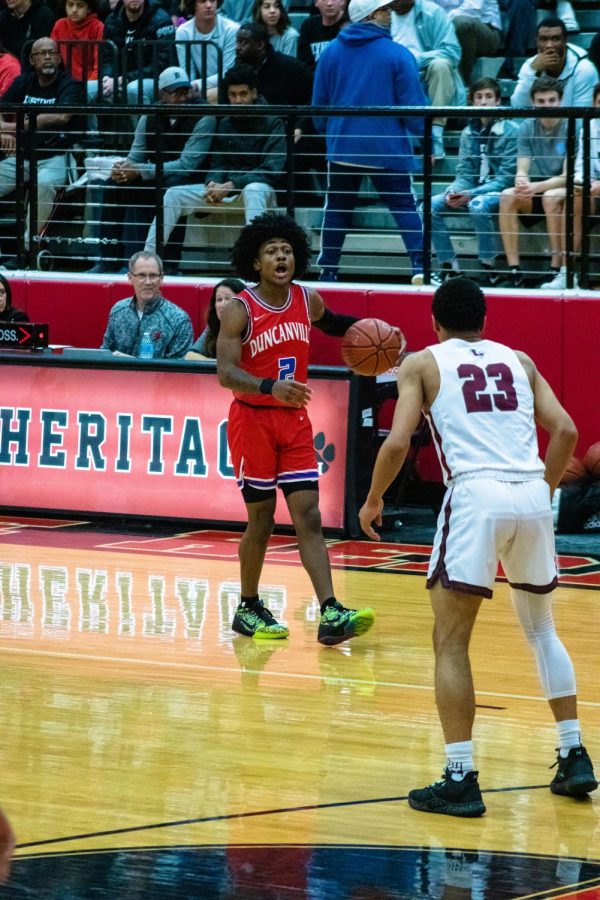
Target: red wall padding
x=561 y=335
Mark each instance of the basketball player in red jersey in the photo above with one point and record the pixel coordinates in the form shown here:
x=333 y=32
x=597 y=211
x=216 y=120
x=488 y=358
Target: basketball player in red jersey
x=262 y=356
x=483 y=401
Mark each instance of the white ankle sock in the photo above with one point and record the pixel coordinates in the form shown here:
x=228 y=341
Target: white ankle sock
x=569 y=735
x=460 y=759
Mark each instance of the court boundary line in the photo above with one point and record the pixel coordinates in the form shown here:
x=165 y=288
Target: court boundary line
x=163 y=664
x=224 y=817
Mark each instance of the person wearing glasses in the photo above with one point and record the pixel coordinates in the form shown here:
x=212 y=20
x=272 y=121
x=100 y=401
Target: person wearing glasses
x=147 y=312
x=46 y=86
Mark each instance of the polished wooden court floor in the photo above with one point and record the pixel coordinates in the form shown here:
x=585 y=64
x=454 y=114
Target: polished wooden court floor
x=149 y=752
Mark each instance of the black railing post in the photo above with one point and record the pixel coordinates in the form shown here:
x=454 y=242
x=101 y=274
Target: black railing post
x=21 y=213
x=585 y=204
x=159 y=183
x=427 y=174
x=571 y=154
x=290 y=200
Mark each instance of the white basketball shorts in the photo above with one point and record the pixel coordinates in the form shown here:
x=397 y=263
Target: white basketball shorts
x=484 y=520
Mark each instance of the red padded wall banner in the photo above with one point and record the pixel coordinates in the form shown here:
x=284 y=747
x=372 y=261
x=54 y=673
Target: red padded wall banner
x=76 y=312
x=581 y=369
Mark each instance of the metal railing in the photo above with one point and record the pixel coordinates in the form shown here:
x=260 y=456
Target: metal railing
x=80 y=234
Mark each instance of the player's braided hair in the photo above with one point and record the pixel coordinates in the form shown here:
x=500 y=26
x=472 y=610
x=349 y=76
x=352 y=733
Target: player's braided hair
x=459 y=305
x=265 y=228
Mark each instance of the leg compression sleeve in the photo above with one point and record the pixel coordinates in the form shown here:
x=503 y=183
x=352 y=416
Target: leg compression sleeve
x=553 y=662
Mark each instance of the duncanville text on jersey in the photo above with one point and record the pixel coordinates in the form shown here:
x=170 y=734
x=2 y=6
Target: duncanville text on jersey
x=286 y=331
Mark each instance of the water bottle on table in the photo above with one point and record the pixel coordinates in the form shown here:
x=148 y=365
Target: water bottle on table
x=146 y=346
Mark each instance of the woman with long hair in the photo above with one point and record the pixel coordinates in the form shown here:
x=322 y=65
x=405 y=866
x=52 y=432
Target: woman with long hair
x=206 y=345
x=274 y=16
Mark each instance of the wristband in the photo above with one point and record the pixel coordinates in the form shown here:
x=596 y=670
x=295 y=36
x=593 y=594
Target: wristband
x=266 y=386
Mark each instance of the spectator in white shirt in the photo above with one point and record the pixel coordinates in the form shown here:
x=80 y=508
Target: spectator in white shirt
x=207 y=25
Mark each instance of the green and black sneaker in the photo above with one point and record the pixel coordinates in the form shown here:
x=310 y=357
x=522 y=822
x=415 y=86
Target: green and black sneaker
x=258 y=622
x=340 y=624
x=575 y=776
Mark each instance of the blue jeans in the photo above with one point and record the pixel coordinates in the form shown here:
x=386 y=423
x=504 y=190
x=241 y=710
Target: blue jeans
x=394 y=189
x=483 y=210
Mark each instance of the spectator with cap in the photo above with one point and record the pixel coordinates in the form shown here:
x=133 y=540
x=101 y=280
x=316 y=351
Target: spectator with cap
x=128 y=200
x=247 y=162
x=363 y=66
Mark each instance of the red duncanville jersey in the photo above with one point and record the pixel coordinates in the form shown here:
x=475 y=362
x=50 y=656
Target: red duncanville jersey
x=275 y=343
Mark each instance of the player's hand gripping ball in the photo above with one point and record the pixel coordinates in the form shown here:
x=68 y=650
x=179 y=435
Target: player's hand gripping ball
x=371 y=347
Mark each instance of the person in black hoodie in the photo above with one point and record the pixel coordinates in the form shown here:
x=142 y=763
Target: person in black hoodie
x=8 y=312
x=128 y=200
x=130 y=24
x=22 y=21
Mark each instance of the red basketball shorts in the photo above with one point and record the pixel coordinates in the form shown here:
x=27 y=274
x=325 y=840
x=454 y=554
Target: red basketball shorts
x=270 y=447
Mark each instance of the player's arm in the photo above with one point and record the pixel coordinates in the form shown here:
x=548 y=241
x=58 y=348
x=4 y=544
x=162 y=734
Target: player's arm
x=554 y=419
x=333 y=324
x=394 y=449
x=234 y=321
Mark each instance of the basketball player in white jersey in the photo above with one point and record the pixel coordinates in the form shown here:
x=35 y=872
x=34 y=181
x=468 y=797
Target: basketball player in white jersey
x=483 y=401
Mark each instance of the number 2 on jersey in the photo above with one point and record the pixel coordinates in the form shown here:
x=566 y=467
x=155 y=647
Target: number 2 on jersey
x=287 y=368
x=480 y=396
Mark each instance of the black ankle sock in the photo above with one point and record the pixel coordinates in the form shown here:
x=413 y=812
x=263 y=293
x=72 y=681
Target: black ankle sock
x=249 y=601
x=331 y=601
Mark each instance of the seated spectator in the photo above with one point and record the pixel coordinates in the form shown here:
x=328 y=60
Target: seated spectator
x=56 y=133
x=425 y=29
x=169 y=327
x=281 y=78
x=559 y=282
x=8 y=312
x=557 y=59
x=248 y=164
x=274 y=16
x=81 y=24
x=317 y=31
x=541 y=167
x=206 y=345
x=519 y=18
x=10 y=67
x=209 y=26
x=128 y=199
x=22 y=21
x=478 y=28
x=133 y=27
x=487 y=161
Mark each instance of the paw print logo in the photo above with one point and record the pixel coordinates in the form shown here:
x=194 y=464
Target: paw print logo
x=325 y=453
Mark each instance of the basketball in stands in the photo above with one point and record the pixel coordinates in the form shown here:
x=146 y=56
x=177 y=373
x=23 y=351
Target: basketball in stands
x=591 y=461
x=371 y=346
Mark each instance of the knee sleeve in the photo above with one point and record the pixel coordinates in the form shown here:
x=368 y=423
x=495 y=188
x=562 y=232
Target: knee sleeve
x=554 y=664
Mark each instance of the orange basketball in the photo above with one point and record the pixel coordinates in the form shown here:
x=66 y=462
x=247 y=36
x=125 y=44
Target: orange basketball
x=574 y=471
x=591 y=460
x=371 y=346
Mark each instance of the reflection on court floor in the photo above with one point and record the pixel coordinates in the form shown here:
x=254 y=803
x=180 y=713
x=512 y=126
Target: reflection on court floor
x=149 y=752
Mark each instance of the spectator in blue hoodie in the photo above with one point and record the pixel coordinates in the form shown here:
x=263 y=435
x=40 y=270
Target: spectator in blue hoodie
x=364 y=67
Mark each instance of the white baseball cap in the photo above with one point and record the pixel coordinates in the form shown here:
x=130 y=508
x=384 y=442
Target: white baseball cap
x=360 y=9
x=173 y=77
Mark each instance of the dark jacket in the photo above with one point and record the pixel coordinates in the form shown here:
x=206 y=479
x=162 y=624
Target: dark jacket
x=153 y=25
x=36 y=23
x=283 y=79
x=247 y=149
